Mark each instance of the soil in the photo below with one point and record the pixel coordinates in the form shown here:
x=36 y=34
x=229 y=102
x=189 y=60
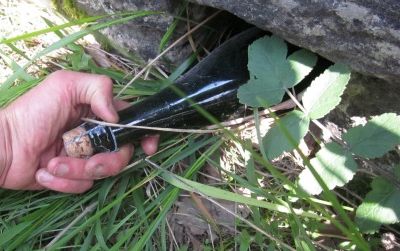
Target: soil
x=20 y=17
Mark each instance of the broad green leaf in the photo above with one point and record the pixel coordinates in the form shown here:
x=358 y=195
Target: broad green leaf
x=325 y=91
x=276 y=141
x=379 y=135
x=271 y=72
x=334 y=165
x=380 y=206
x=302 y=62
x=256 y=94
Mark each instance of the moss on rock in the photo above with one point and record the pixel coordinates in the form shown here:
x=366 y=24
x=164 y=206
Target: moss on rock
x=69 y=9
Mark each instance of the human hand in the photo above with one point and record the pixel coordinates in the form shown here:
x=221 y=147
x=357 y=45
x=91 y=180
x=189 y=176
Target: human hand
x=32 y=148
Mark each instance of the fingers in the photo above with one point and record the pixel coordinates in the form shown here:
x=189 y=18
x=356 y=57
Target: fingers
x=91 y=89
x=150 y=144
x=120 y=104
x=98 y=166
x=49 y=181
x=74 y=175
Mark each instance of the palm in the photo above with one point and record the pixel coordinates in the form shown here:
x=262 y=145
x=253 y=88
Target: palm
x=48 y=114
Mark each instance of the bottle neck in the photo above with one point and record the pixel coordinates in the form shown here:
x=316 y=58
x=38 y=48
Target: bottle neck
x=101 y=137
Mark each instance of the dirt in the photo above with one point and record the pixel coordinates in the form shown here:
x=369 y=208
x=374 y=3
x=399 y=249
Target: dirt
x=20 y=17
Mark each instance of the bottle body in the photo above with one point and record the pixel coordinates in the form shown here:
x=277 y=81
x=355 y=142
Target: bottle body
x=212 y=84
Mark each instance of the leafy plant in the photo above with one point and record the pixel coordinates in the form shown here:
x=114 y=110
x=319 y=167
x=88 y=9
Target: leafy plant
x=276 y=142
x=271 y=74
x=335 y=166
x=380 y=206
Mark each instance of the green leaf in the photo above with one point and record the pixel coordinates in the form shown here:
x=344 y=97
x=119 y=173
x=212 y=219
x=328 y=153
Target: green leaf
x=271 y=72
x=378 y=136
x=334 y=165
x=79 y=60
x=276 y=141
x=380 y=206
x=325 y=91
x=302 y=62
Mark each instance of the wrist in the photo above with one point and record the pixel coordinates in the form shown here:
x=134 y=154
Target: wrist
x=5 y=146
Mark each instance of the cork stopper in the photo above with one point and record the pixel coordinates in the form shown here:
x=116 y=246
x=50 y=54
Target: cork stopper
x=77 y=143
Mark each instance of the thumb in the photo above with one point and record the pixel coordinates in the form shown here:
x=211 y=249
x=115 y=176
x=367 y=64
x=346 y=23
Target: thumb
x=94 y=90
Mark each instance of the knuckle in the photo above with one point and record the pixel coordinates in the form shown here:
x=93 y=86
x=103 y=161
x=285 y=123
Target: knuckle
x=105 y=79
x=61 y=80
x=105 y=83
x=59 y=74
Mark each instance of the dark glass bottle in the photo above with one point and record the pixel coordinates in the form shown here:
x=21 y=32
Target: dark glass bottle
x=211 y=84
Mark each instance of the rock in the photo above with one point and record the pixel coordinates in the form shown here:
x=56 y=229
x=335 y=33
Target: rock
x=365 y=97
x=142 y=36
x=193 y=219
x=364 y=34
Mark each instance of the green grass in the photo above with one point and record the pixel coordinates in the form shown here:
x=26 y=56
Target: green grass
x=118 y=213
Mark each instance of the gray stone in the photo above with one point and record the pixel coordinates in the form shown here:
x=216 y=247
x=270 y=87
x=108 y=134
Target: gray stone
x=364 y=34
x=142 y=36
x=363 y=98
x=368 y=96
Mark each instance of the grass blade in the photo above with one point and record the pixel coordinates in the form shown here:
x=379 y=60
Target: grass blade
x=69 y=40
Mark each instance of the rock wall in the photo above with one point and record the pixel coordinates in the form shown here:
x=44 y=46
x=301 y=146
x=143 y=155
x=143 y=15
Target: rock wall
x=364 y=34
x=142 y=36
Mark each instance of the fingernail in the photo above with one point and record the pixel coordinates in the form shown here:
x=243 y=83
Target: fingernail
x=61 y=170
x=99 y=171
x=44 y=177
